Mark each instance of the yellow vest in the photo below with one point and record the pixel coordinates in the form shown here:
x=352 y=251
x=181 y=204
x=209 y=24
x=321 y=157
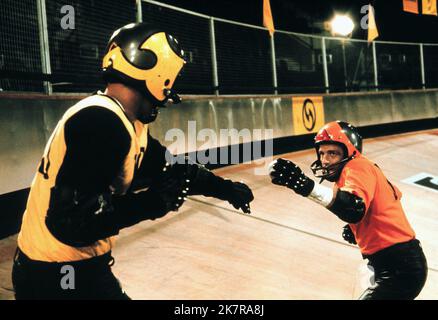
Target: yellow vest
x=34 y=239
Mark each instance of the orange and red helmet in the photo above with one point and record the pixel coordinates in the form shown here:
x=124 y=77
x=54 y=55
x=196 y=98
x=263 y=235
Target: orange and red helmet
x=340 y=133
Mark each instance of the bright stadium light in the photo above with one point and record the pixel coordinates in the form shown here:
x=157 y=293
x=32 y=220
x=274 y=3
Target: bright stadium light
x=342 y=25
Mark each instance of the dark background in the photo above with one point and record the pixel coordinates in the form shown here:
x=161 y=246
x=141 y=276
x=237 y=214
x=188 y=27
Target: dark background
x=308 y=16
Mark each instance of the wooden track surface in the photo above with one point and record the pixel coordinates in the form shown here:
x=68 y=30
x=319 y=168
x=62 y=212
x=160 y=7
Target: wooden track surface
x=288 y=248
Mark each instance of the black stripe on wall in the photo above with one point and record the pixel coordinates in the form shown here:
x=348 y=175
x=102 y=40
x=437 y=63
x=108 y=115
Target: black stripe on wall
x=12 y=204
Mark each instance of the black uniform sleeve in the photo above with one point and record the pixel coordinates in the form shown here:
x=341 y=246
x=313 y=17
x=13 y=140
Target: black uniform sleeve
x=203 y=181
x=80 y=219
x=82 y=209
x=206 y=183
x=153 y=162
x=97 y=144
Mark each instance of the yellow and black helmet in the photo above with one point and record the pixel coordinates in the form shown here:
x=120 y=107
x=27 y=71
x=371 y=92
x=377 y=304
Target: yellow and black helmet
x=145 y=58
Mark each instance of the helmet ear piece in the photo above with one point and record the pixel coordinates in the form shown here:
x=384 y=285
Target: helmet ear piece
x=172 y=96
x=352 y=136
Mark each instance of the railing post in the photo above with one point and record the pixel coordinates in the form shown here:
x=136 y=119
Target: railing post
x=376 y=76
x=44 y=43
x=324 y=65
x=213 y=57
x=344 y=61
x=423 y=74
x=274 y=67
x=139 y=16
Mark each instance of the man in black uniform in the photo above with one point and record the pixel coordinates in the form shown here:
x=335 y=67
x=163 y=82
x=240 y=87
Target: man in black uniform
x=102 y=171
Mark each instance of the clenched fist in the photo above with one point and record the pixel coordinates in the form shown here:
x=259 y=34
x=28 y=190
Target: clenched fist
x=286 y=173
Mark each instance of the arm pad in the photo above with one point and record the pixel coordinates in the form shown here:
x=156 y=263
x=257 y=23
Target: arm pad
x=348 y=207
x=80 y=220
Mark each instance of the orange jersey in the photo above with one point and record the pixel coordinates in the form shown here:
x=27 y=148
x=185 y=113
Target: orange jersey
x=384 y=223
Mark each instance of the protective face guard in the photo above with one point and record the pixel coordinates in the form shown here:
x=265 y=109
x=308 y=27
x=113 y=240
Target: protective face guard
x=171 y=96
x=330 y=173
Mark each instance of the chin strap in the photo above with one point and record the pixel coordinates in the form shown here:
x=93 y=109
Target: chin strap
x=172 y=96
x=316 y=165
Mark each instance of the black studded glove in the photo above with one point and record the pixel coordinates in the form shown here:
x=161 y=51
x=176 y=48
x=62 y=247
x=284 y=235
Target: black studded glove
x=197 y=180
x=172 y=186
x=286 y=173
x=238 y=194
x=348 y=235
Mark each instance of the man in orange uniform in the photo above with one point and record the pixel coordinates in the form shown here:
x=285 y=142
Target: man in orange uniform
x=369 y=203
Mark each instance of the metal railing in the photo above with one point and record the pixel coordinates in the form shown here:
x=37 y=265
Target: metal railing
x=224 y=57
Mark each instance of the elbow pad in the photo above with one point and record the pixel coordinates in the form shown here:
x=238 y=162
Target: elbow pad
x=80 y=220
x=71 y=214
x=348 y=207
